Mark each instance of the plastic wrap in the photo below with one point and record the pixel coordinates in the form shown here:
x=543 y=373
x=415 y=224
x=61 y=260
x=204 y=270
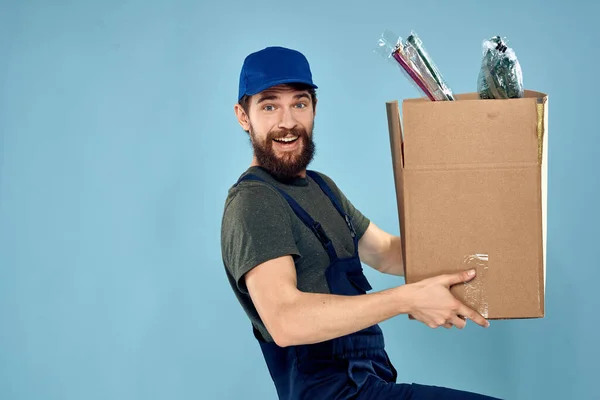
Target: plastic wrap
x=390 y=46
x=415 y=63
x=421 y=58
x=500 y=76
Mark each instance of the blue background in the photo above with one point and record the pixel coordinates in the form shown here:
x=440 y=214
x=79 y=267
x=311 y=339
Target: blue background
x=118 y=143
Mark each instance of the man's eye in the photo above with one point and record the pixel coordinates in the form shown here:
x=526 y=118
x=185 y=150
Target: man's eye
x=300 y=105
x=268 y=108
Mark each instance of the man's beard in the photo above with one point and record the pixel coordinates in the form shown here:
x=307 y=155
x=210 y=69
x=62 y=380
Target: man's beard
x=290 y=164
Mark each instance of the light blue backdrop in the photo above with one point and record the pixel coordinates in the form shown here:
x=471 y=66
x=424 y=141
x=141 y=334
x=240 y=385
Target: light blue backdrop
x=119 y=142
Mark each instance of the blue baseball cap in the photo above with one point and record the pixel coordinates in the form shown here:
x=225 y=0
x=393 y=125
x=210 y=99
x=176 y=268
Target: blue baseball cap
x=273 y=66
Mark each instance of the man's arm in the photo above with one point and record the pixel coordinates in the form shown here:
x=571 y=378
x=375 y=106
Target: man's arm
x=381 y=250
x=293 y=317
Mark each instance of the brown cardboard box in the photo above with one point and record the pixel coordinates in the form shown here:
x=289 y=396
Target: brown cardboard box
x=470 y=180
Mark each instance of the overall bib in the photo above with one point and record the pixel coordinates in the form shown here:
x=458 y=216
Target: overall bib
x=354 y=366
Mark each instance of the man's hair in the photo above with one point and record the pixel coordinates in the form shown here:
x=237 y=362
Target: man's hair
x=245 y=100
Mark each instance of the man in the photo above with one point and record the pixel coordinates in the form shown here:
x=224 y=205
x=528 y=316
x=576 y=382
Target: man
x=292 y=246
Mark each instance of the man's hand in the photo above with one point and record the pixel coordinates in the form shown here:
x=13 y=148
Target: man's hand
x=433 y=304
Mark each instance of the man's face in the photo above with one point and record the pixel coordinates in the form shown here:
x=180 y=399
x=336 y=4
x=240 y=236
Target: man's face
x=280 y=123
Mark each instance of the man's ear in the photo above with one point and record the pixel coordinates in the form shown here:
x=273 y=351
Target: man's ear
x=242 y=117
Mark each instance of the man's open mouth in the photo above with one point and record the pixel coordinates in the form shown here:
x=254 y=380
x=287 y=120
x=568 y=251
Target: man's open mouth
x=288 y=139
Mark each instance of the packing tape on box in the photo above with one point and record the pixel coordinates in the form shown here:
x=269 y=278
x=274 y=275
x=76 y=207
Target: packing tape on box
x=541 y=106
x=475 y=294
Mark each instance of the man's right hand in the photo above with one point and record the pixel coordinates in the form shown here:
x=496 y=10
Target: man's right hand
x=433 y=304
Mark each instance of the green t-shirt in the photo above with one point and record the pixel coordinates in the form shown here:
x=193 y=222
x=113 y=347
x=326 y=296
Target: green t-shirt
x=259 y=225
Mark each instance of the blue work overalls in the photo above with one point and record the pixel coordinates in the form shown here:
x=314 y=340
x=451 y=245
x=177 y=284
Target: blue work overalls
x=355 y=366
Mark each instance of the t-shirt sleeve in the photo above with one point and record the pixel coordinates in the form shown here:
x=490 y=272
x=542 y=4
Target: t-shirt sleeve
x=360 y=221
x=256 y=228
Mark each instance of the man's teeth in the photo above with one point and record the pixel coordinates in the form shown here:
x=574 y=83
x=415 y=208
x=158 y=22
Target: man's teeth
x=286 y=139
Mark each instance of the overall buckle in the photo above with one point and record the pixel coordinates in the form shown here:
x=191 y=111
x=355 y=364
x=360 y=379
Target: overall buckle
x=350 y=225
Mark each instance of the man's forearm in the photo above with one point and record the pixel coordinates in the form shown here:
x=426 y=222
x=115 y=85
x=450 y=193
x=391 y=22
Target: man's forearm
x=312 y=317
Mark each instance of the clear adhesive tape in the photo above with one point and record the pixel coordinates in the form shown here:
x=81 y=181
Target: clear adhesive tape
x=475 y=294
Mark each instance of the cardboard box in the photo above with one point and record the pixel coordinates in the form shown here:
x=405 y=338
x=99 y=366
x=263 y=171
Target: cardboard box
x=471 y=179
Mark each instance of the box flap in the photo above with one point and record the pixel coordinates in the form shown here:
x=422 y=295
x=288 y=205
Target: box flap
x=434 y=129
x=395 y=132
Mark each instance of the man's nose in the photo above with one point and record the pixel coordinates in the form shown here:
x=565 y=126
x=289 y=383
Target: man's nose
x=288 y=121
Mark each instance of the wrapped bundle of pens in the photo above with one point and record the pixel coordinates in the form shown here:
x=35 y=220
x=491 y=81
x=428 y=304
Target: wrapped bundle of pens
x=500 y=76
x=416 y=64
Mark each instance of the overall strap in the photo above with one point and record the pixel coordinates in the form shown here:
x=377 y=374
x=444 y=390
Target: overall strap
x=327 y=190
x=302 y=214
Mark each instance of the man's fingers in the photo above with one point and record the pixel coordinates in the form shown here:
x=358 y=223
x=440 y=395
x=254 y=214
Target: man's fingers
x=455 y=321
x=473 y=315
x=458 y=322
x=460 y=277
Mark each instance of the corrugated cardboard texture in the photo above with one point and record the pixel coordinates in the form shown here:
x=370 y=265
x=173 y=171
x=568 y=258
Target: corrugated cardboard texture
x=470 y=179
